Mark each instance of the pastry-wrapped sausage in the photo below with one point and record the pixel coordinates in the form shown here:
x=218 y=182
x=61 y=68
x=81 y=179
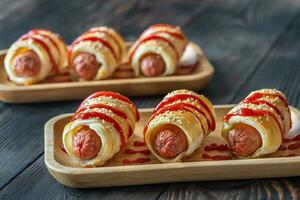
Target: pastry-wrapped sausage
x=97 y=53
x=158 y=50
x=100 y=128
x=178 y=125
x=256 y=126
x=35 y=56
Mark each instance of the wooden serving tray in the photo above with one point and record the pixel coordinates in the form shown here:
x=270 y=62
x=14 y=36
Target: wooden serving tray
x=12 y=93
x=67 y=170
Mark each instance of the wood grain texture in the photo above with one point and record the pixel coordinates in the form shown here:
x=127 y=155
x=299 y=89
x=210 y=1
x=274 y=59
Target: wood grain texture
x=235 y=42
x=35 y=182
x=251 y=189
x=69 y=18
x=280 y=68
x=22 y=135
x=235 y=35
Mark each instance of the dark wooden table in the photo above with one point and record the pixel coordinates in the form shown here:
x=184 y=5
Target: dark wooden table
x=252 y=44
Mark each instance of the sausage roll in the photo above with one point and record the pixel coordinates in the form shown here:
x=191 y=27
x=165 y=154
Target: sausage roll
x=158 y=50
x=256 y=126
x=35 y=56
x=100 y=128
x=97 y=53
x=178 y=125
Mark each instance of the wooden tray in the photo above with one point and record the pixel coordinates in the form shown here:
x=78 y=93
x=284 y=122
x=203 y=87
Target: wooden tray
x=12 y=93
x=68 y=172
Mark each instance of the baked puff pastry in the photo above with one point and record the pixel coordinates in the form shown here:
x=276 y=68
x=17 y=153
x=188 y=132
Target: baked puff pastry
x=158 y=50
x=256 y=126
x=35 y=56
x=100 y=128
x=97 y=53
x=178 y=125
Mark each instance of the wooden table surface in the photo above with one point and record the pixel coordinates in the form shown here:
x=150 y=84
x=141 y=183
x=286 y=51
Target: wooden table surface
x=252 y=44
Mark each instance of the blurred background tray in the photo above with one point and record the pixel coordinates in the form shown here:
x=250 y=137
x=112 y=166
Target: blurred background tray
x=12 y=93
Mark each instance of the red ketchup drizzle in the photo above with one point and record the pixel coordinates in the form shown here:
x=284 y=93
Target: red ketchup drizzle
x=178 y=34
x=217 y=157
x=105 y=118
x=254 y=99
x=181 y=97
x=46 y=30
x=109 y=35
x=40 y=32
x=114 y=110
x=246 y=112
x=130 y=131
x=95 y=39
x=216 y=147
x=132 y=151
x=57 y=36
x=259 y=95
x=174 y=107
x=294 y=146
x=63 y=148
x=152 y=37
x=174 y=34
x=139 y=144
x=258 y=102
x=115 y=96
x=198 y=110
x=297 y=138
x=138 y=160
x=45 y=46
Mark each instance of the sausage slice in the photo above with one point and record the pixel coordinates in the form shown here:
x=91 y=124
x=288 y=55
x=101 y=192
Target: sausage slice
x=244 y=140
x=86 y=65
x=27 y=64
x=170 y=141
x=86 y=143
x=152 y=65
